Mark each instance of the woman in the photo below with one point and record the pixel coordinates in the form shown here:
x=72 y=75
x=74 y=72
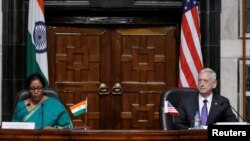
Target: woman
x=44 y=111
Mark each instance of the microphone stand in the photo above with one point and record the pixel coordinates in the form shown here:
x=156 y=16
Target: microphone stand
x=238 y=114
x=42 y=115
x=19 y=110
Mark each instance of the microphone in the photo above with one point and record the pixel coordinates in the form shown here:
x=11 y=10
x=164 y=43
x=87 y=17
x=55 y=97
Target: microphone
x=42 y=114
x=237 y=113
x=28 y=104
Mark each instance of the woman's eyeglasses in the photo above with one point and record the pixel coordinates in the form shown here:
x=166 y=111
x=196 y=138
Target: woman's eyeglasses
x=35 y=88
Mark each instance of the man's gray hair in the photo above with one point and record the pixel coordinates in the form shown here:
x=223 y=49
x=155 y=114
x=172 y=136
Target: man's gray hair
x=211 y=71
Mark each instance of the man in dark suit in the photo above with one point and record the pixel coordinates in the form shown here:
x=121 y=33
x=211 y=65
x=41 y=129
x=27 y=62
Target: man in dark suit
x=216 y=108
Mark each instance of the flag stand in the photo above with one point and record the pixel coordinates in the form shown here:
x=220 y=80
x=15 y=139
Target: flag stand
x=86 y=116
x=80 y=109
x=85 y=122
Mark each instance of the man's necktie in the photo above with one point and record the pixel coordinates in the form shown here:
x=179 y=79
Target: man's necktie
x=204 y=113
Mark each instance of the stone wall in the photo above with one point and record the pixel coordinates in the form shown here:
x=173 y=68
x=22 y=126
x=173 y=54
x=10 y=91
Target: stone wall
x=231 y=52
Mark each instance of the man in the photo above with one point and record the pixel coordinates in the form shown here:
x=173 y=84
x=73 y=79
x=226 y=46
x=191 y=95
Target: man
x=212 y=107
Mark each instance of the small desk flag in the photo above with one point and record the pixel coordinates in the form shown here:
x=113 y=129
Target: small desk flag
x=79 y=108
x=170 y=109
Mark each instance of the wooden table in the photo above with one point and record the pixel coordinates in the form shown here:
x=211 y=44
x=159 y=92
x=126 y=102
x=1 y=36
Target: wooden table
x=102 y=135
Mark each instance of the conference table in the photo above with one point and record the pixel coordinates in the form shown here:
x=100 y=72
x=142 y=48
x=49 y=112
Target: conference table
x=101 y=135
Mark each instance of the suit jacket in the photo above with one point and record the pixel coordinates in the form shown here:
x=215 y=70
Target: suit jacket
x=220 y=111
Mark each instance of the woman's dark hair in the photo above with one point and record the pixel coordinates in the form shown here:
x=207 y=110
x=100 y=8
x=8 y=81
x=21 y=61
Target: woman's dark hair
x=35 y=76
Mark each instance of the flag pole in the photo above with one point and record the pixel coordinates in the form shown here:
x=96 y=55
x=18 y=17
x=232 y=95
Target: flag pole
x=85 y=122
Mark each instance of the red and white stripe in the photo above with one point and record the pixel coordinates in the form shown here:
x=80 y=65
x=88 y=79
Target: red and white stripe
x=190 y=61
x=170 y=109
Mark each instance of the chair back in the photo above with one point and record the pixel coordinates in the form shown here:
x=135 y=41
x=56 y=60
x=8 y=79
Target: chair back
x=173 y=95
x=24 y=94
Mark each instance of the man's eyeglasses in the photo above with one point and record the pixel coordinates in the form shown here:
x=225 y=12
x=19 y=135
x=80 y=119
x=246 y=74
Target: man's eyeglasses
x=36 y=88
x=206 y=82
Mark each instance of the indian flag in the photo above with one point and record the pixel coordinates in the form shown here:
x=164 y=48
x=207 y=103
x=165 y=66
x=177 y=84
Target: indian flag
x=37 y=61
x=79 y=108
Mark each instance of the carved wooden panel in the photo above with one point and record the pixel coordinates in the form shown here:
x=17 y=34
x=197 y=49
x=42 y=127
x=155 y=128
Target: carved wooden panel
x=75 y=67
x=142 y=60
x=144 y=64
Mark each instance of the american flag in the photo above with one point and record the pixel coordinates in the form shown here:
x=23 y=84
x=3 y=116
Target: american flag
x=170 y=109
x=190 y=61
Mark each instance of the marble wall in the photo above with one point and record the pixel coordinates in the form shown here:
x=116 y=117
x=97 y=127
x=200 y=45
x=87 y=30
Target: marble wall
x=231 y=51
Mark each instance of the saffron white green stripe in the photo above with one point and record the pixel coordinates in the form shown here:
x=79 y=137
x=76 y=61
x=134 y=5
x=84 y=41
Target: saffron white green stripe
x=37 y=61
x=79 y=108
x=79 y=111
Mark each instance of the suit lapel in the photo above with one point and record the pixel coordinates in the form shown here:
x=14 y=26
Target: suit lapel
x=213 y=110
x=195 y=104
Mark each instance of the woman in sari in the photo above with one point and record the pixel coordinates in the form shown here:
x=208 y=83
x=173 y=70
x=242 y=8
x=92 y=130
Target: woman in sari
x=46 y=112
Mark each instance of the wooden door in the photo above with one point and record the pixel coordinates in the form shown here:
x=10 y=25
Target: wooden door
x=135 y=63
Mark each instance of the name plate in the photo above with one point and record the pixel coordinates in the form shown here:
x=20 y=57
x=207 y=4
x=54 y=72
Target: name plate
x=18 y=125
x=231 y=123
